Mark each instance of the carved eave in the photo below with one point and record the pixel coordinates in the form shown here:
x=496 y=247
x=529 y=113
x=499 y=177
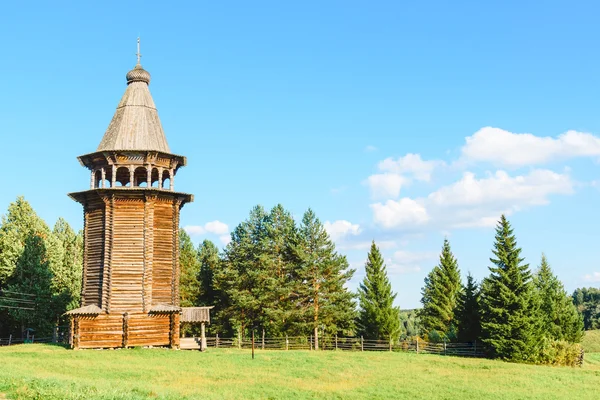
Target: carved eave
x=100 y=159
x=132 y=193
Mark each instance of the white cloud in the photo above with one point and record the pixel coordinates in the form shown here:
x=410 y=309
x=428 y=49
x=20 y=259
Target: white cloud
x=405 y=211
x=370 y=149
x=410 y=257
x=216 y=227
x=473 y=202
x=593 y=277
x=509 y=149
x=401 y=269
x=340 y=229
x=386 y=185
x=410 y=164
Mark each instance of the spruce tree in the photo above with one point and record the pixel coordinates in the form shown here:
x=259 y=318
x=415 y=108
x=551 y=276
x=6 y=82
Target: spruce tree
x=67 y=271
x=468 y=313
x=440 y=293
x=189 y=287
x=322 y=300
x=208 y=256
x=510 y=326
x=560 y=317
x=378 y=318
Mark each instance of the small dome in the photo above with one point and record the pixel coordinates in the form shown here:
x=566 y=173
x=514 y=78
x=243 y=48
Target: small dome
x=138 y=74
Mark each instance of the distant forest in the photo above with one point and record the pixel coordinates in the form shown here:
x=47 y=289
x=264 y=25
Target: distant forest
x=279 y=276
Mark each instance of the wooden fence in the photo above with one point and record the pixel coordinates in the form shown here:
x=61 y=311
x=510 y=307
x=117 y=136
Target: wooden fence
x=348 y=344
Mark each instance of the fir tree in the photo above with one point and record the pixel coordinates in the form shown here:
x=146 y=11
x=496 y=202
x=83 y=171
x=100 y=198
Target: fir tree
x=440 y=293
x=242 y=278
x=587 y=302
x=509 y=323
x=321 y=298
x=468 y=313
x=560 y=317
x=189 y=287
x=378 y=318
x=208 y=256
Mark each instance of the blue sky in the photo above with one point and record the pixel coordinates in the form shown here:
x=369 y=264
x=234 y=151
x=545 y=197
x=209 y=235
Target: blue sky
x=402 y=123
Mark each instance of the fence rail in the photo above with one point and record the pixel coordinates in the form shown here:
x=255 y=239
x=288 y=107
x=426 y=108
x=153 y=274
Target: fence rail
x=347 y=344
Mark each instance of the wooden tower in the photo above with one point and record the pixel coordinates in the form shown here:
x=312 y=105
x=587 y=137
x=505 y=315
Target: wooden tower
x=130 y=291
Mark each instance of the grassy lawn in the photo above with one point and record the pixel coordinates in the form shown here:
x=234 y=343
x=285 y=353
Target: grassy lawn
x=51 y=372
x=591 y=341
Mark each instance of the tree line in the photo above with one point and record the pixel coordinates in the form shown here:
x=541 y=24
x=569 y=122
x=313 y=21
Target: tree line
x=278 y=276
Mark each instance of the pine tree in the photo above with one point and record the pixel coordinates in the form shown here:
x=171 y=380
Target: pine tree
x=560 y=317
x=587 y=302
x=208 y=255
x=468 y=313
x=242 y=278
x=509 y=323
x=440 y=293
x=189 y=265
x=321 y=297
x=378 y=318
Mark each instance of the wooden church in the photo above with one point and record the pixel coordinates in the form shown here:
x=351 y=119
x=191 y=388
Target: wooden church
x=130 y=291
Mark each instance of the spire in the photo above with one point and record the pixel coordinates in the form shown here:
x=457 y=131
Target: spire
x=135 y=124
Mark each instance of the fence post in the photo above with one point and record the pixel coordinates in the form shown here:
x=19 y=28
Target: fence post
x=253 y=344
x=263 y=339
x=336 y=341
x=475 y=349
x=444 y=346
x=310 y=341
x=287 y=342
x=9 y=339
x=240 y=338
x=55 y=334
x=32 y=338
x=390 y=343
x=217 y=341
x=362 y=344
x=417 y=345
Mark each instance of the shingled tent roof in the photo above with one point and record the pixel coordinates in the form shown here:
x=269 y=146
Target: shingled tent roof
x=135 y=125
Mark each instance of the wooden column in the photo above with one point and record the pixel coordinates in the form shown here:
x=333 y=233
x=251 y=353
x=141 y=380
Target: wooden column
x=171 y=180
x=174 y=330
x=202 y=336
x=103 y=178
x=131 y=176
x=125 y=329
x=113 y=181
x=149 y=202
x=160 y=174
x=149 y=175
x=93 y=178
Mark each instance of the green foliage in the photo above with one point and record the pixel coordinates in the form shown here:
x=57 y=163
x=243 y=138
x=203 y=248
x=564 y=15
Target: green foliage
x=441 y=293
x=208 y=256
x=560 y=353
x=321 y=301
x=560 y=318
x=189 y=265
x=468 y=318
x=40 y=267
x=410 y=324
x=510 y=324
x=378 y=318
x=272 y=273
x=587 y=302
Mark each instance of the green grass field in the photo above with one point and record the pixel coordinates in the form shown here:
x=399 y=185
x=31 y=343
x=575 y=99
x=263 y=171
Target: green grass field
x=591 y=341
x=52 y=372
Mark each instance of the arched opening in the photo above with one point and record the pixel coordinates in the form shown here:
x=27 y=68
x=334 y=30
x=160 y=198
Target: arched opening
x=97 y=179
x=140 y=177
x=122 y=177
x=166 y=180
x=107 y=177
x=154 y=178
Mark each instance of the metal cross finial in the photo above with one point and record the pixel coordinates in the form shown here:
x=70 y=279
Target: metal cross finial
x=138 y=54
